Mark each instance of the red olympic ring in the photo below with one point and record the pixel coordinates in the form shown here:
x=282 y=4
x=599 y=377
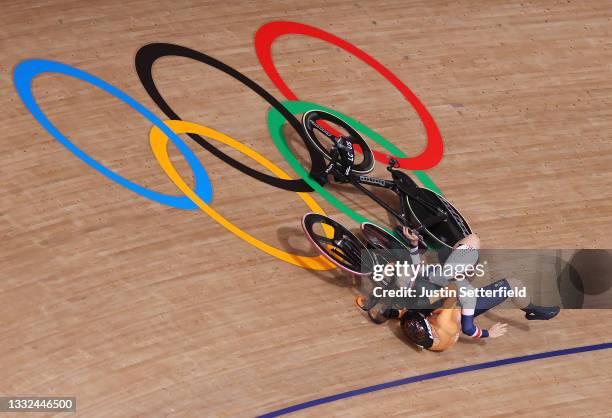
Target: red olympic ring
x=267 y=34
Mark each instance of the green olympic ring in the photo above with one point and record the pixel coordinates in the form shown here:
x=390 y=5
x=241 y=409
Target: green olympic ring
x=275 y=126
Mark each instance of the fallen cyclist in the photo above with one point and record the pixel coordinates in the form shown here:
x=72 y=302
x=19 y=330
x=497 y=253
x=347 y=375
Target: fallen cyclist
x=436 y=324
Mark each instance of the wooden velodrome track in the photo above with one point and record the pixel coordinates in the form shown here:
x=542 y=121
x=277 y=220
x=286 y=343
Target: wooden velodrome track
x=141 y=309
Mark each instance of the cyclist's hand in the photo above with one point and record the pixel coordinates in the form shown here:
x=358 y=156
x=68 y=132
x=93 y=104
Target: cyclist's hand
x=497 y=330
x=411 y=236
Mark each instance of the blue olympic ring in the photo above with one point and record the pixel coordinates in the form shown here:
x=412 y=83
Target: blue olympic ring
x=24 y=74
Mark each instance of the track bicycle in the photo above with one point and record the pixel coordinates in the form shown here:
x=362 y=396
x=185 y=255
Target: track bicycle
x=424 y=211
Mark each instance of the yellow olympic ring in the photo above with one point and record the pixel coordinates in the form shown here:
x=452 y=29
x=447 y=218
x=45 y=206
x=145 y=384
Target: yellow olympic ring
x=159 y=141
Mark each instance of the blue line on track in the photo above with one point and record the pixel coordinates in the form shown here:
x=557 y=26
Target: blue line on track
x=434 y=375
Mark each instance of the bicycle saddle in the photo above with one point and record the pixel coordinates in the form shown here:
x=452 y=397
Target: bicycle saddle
x=404 y=182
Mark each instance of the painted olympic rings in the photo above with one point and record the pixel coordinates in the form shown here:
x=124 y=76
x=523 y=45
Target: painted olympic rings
x=24 y=74
x=159 y=140
x=268 y=33
x=201 y=195
x=146 y=57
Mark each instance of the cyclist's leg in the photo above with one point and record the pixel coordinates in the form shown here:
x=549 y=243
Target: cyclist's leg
x=471 y=241
x=483 y=304
x=463 y=257
x=366 y=302
x=531 y=311
x=379 y=310
x=465 y=251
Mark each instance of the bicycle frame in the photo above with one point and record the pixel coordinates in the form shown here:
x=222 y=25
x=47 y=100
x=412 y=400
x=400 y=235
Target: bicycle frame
x=358 y=182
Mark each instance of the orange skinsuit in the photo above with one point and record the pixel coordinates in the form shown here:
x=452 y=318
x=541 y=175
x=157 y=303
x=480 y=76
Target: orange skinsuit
x=445 y=323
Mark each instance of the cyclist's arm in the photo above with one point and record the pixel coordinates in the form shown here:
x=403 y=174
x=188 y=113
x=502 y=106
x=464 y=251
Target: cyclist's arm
x=469 y=328
x=413 y=239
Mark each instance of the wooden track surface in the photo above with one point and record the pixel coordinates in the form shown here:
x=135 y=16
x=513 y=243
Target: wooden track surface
x=140 y=309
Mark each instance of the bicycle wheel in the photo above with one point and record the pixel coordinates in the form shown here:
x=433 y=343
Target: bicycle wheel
x=381 y=238
x=445 y=233
x=337 y=244
x=315 y=129
x=386 y=248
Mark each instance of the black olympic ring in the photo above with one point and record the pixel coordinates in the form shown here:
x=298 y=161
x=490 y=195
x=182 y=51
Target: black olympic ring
x=146 y=57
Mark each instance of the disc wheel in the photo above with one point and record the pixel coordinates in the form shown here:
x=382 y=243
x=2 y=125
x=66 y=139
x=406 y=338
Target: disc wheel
x=338 y=244
x=446 y=233
x=316 y=124
x=381 y=238
x=386 y=246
